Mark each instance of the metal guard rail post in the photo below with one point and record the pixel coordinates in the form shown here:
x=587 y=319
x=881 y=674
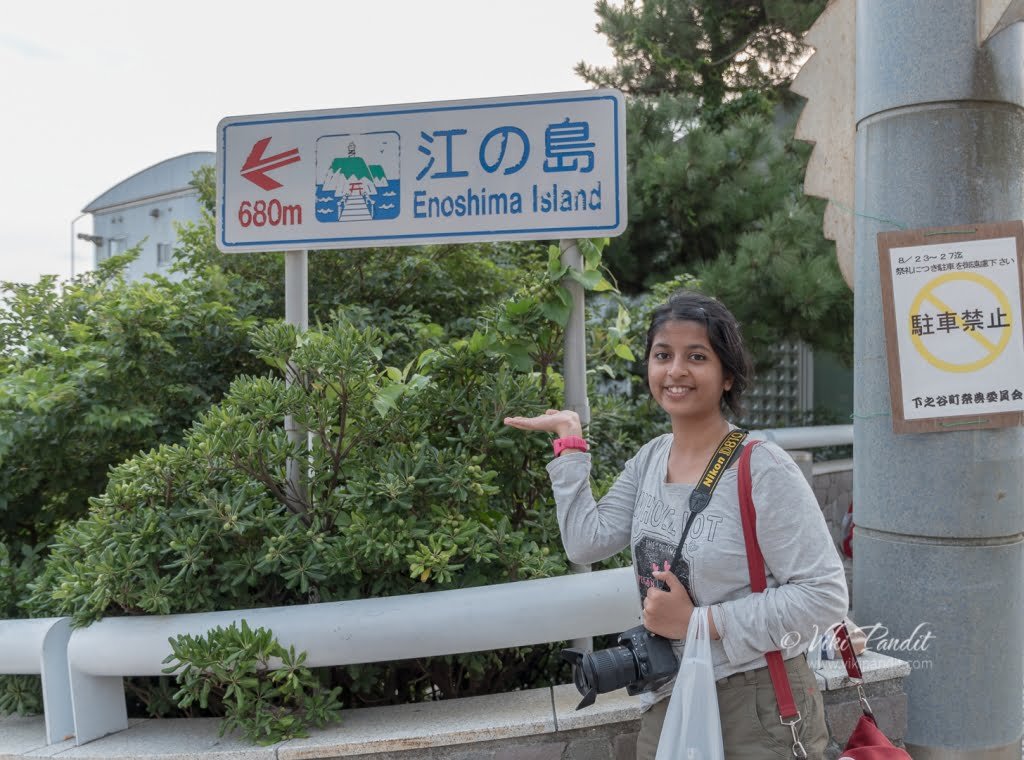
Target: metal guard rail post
x=40 y=647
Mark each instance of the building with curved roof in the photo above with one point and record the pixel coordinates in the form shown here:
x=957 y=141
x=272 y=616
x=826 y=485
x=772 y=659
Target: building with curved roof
x=144 y=208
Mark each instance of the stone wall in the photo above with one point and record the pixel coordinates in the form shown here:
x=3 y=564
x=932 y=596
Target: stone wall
x=617 y=740
x=833 y=485
x=608 y=729
x=611 y=741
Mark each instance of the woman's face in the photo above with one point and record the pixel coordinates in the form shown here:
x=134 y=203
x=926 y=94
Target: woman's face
x=684 y=374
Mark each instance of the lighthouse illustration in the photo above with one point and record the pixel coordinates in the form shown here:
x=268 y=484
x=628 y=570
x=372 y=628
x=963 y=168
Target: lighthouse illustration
x=358 y=177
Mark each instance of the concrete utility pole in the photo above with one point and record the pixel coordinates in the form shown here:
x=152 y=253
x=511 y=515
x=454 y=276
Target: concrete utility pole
x=940 y=141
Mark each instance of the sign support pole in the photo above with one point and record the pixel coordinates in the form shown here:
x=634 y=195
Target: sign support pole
x=574 y=369
x=296 y=312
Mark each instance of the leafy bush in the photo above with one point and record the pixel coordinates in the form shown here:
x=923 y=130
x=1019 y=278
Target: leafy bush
x=96 y=370
x=412 y=483
x=21 y=695
x=19 y=564
x=228 y=669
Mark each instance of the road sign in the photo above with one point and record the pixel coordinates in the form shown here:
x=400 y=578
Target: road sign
x=516 y=168
x=952 y=300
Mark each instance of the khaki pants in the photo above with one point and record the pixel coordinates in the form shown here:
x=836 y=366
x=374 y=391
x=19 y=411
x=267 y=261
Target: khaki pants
x=750 y=717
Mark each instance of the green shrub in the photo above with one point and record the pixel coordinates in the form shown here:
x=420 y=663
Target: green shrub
x=228 y=671
x=92 y=372
x=411 y=483
x=21 y=695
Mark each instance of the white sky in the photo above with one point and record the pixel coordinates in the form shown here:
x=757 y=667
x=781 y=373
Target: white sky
x=93 y=92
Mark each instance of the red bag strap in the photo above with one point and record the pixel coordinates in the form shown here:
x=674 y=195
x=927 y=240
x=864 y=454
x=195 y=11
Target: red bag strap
x=755 y=560
x=788 y=713
x=759 y=582
x=845 y=647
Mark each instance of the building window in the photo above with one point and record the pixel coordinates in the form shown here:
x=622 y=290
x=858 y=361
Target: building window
x=163 y=254
x=113 y=247
x=116 y=246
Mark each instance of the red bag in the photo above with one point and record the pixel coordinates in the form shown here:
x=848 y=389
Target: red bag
x=866 y=742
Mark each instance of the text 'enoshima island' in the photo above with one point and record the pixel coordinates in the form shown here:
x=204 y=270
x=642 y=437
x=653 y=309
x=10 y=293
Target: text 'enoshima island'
x=504 y=151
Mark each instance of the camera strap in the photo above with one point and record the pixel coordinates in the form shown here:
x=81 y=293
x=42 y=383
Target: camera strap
x=724 y=456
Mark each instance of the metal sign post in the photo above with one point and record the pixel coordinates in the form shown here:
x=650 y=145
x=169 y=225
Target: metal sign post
x=574 y=369
x=296 y=312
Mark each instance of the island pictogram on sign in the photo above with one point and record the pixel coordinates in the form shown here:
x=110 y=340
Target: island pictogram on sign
x=358 y=177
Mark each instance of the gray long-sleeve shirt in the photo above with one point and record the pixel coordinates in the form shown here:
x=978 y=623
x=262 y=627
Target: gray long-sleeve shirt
x=806 y=584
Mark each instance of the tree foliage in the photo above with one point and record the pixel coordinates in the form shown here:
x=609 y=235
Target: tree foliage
x=712 y=50
x=412 y=483
x=715 y=176
x=96 y=370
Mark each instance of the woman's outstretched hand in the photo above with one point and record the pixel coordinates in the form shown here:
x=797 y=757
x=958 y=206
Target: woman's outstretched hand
x=562 y=423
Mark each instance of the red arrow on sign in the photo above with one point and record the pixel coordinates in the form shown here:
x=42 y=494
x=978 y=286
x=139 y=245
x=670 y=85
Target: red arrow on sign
x=257 y=165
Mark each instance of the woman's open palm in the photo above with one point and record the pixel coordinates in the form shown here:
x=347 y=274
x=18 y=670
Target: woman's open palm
x=562 y=423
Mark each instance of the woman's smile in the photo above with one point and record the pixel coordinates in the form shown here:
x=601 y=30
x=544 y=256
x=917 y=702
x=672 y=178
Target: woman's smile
x=678 y=390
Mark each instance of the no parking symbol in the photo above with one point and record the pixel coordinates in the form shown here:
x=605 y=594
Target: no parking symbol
x=959 y=322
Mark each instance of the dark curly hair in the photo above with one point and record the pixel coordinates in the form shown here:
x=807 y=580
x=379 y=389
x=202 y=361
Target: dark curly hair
x=723 y=333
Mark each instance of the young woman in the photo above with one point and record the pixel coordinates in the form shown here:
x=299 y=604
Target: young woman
x=697 y=368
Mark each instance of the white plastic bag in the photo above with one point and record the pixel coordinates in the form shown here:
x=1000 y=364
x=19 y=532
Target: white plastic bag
x=692 y=728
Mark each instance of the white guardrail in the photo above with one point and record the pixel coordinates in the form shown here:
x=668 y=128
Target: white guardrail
x=83 y=669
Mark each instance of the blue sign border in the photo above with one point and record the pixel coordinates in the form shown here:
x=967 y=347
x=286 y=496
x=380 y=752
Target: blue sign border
x=425 y=237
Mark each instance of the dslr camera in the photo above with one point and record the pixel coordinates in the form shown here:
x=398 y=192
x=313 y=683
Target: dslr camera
x=643 y=661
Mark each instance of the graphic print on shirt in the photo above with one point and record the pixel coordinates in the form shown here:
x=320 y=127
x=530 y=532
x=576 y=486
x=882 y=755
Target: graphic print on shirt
x=652 y=515
x=656 y=530
x=650 y=554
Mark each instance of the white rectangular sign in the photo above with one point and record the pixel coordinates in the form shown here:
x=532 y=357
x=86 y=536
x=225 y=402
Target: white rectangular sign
x=956 y=316
x=516 y=168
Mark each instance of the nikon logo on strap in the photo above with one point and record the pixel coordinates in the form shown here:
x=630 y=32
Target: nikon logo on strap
x=722 y=457
x=719 y=463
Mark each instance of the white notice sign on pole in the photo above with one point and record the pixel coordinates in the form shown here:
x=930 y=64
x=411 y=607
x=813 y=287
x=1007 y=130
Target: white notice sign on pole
x=955 y=315
x=519 y=168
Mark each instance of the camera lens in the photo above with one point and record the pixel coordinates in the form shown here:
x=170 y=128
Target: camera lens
x=606 y=670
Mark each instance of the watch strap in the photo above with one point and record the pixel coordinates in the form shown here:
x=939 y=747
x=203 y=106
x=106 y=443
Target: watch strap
x=569 y=442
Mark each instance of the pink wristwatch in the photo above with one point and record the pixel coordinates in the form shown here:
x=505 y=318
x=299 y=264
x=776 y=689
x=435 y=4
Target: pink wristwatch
x=569 y=442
